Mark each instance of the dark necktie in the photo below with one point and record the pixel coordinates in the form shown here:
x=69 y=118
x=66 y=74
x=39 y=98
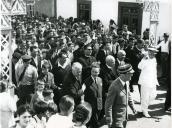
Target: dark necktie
x=125 y=86
x=95 y=80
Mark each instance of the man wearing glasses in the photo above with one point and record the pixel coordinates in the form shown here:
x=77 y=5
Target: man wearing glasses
x=86 y=60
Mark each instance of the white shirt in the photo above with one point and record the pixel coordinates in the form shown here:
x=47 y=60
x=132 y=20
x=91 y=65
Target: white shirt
x=123 y=83
x=148 y=75
x=78 y=126
x=58 y=120
x=164 y=46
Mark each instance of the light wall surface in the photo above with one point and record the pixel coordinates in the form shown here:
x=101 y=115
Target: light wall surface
x=66 y=8
x=164 y=19
x=105 y=10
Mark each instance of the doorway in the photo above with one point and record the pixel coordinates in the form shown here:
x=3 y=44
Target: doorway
x=131 y=15
x=84 y=10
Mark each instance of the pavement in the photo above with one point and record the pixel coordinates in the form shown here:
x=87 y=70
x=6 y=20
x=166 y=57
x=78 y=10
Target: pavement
x=159 y=118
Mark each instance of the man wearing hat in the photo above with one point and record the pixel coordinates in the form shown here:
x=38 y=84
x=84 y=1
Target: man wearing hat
x=118 y=98
x=148 y=79
x=165 y=46
x=26 y=77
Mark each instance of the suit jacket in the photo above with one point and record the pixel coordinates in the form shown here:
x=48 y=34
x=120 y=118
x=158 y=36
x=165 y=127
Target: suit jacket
x=86 y=63
x=117 y=100
x=135 y=59
x=93 y=91
x=72 y=87
x=101 y=56
x=59 y=75
x=107 y=76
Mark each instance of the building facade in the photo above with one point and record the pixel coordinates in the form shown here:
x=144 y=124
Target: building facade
x=137 y=14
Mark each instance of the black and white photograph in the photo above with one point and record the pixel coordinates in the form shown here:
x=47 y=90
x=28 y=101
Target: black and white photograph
x=85 y=63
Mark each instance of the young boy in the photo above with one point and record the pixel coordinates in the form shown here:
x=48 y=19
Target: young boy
x=48 y=96
x=64 y=118
x=38 y=96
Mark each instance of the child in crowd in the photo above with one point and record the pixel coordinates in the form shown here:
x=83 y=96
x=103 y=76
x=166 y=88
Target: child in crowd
x=82 y=115
x=48 y=96
x=38 y=94
x=64 y=118
x=39 y=119
x=7 y=106
x=24 y=114
x=52 y=109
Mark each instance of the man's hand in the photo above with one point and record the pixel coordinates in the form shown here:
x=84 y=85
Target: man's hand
x=83 y=87
x=109 y=121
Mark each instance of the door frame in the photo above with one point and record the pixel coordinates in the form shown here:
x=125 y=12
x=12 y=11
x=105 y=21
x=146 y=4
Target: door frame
x=130 y=4
x=83 y=2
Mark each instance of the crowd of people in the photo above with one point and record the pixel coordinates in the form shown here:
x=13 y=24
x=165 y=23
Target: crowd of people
x=73 y=74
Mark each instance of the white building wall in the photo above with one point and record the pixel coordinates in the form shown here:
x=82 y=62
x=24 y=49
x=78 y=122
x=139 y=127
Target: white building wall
x=145 y=21
x=164 y=19
x=105 y=10
x=66 y=8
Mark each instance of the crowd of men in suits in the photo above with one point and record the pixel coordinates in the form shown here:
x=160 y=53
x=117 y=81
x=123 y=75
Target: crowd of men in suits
x=79 y=59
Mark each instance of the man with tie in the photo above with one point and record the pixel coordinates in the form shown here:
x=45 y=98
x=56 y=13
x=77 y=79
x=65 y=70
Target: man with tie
x=93 y=94
x=118 y=98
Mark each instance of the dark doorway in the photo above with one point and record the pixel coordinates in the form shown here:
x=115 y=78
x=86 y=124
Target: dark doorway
x=131 y=15
x=84 y=10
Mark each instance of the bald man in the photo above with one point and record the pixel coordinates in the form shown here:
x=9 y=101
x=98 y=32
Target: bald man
x=72 y=84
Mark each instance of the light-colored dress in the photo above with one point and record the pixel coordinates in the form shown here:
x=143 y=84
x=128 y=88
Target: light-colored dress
x=7 y=109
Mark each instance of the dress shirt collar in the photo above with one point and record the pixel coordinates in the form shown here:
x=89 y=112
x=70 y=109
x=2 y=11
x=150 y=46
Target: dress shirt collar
x=62 y=66
x=123 y=83
x=109 y=67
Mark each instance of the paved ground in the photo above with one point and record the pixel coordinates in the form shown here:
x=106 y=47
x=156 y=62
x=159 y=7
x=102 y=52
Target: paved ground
x=159 y=119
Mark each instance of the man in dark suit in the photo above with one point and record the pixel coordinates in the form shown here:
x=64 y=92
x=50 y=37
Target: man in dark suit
x=108 y=74
x=72 y=84
x=86 y=60
x=93 y=94
x=104 y=51
x=119 y=98
x=60 y=69
x=136 y=57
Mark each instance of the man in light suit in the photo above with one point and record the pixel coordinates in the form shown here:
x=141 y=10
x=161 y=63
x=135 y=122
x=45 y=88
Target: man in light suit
x=118 y=98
